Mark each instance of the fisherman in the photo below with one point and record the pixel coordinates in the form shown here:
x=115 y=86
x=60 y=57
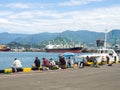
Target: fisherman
x=46 y=62
x=37 y=62
x=70 y=62
x=108 y=59
x=95 y=63
x=88 y=58
x=62 y=62
x=82 y=63
x=16 y=65
x=52 y=63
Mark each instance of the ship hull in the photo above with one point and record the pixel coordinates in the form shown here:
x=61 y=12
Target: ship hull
x=62 y=50
x=5 y=49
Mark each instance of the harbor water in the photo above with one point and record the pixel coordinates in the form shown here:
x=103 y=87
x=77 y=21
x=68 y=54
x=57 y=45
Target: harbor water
x=26 y=58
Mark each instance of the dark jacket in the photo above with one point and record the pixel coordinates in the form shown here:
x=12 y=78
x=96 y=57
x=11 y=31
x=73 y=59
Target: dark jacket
x=37 y=62
x=62 y=61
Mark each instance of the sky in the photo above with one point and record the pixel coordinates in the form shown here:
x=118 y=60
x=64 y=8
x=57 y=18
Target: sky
x=37 y=16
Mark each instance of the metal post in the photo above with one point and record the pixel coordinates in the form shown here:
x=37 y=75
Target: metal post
x=105 y=38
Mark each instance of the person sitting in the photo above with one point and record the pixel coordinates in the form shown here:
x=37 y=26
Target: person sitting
x=62 y=62
x=52 y=63
x=81 y=63
x=16 y=65
x=95 y=63
x=36 y=62
x=46 y=62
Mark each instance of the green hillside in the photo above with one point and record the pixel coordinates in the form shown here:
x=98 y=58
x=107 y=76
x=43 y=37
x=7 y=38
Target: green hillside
x=80 y=36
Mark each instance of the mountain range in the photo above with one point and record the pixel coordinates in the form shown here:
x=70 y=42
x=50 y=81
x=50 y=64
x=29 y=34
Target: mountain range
x=79 y=36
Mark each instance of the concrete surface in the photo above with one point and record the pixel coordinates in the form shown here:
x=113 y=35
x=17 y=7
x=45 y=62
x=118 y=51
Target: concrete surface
x=88 y=78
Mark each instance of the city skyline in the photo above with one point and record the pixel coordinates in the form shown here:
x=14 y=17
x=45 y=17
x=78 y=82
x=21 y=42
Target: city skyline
x=37 y=16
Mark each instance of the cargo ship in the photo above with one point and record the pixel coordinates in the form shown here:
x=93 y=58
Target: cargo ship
x=62 y=49
x=4 y=48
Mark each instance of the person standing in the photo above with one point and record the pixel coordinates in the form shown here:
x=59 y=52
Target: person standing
x=108 y=59
x=70 y=62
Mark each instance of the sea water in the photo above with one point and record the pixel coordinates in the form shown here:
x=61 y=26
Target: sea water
x=26 y=58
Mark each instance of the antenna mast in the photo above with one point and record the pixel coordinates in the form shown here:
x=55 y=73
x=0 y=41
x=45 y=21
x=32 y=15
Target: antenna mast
x=105 y=38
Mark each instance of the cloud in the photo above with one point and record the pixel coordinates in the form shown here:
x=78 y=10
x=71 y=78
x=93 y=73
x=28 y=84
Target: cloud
x=22 y=5
x=2 y=20
x=4 y=13
x=38 y=5
x=36 y=14
x=36 y=21
x=21 y=15
x=17 y=5
x=77 y=2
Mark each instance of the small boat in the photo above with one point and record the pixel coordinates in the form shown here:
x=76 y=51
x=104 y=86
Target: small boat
x=4 y=48
x=102 y=54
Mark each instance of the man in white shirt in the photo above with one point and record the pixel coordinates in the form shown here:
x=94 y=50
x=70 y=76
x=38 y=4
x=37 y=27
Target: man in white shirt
x=16 y=64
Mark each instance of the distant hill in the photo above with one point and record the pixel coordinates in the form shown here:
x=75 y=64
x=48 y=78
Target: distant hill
x=82 y=35
x=37 y=38
x=114 y=36
x=6 y=38
x=79 y=36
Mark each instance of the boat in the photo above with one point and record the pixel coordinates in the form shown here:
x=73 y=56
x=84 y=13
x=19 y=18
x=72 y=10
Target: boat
x=62 y=49
x=102 y=54
x=4 y=48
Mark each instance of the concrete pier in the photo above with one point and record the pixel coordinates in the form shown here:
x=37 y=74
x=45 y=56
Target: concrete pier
x=88 y=78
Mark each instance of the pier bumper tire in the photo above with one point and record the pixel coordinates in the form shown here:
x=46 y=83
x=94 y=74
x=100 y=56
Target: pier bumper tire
x=16 y=69
x=27 y=69
x=2 y=71
x=6 y=71
x=109 y=64
x=37 y=68
x=117 y=62
x=89 y=63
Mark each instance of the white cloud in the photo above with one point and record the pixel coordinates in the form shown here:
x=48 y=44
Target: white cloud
x=24 y=5
x=17 y=5
x=4 y=13
x=36 y=21
x=36 y=14
x=21 y=15
x=2 y=20
x=99 y=19
x=77 y=2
